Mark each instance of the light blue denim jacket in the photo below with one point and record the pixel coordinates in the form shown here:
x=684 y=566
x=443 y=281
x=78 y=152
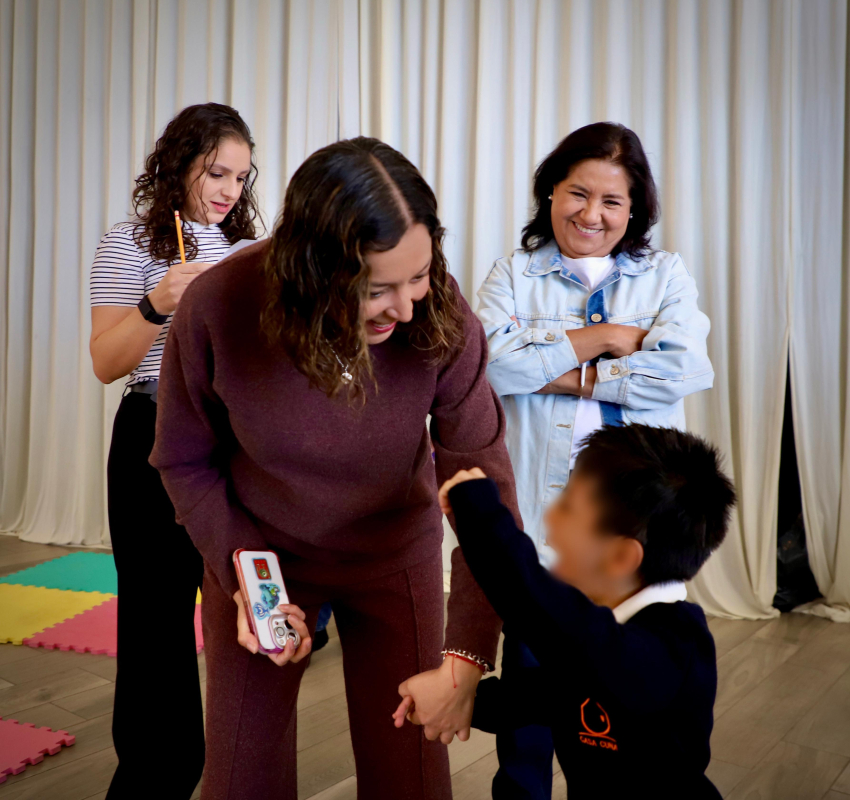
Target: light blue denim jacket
x=656 y=293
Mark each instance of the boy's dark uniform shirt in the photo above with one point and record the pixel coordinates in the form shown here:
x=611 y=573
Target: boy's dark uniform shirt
x=630 y=705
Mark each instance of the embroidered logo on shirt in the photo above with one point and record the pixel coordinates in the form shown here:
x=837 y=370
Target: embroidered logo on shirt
x=597 y=726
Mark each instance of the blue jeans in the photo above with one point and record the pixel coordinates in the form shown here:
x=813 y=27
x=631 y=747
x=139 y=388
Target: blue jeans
x=324 y=617
x=525 y=754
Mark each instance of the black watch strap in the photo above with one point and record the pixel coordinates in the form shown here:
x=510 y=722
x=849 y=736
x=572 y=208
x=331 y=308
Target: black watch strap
x=149 y=312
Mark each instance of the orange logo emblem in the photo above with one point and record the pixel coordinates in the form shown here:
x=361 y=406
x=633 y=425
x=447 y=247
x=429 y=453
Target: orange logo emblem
x=597 y=727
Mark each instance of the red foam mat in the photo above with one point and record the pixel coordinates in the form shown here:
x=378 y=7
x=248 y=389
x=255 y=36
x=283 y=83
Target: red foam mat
x=23 y=744
x=94 y=631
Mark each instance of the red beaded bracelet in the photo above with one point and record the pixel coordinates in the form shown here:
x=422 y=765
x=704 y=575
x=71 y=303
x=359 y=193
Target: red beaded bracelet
x=468 y=661
x=479 y=662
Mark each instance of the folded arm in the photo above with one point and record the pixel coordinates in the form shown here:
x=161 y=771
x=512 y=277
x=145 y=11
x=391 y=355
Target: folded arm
x=673 y=359
x=522 y=359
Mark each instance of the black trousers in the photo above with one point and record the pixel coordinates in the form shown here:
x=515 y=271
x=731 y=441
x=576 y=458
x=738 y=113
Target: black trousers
x=157 y=725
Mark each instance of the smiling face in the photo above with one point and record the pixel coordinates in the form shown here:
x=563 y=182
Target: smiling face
x=590 y=209
x=215 y=182
x=398 y=278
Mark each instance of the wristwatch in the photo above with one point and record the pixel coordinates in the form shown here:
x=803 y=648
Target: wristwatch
x=149 y=312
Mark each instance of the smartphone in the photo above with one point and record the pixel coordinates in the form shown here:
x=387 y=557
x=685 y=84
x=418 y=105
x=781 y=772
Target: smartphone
x=263 y=591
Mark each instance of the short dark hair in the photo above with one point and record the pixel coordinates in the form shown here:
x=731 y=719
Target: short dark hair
x=608 y=141
x=664 y=488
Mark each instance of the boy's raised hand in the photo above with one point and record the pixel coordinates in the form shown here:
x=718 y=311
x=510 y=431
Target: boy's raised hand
x=462 y=476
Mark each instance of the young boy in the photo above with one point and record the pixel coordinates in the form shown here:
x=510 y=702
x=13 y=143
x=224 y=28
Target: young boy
x=627 y=675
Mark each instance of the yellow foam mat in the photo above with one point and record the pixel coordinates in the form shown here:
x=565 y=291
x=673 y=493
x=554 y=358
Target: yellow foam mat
x=26 y=610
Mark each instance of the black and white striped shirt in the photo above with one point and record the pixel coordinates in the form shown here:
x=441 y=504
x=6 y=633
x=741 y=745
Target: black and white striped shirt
x=123 y=273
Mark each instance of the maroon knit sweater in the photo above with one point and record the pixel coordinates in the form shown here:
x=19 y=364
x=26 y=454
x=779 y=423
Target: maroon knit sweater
x=253 y=457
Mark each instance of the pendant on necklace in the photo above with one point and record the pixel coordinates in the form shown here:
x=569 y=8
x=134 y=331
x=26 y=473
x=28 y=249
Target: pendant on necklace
x=347 y=377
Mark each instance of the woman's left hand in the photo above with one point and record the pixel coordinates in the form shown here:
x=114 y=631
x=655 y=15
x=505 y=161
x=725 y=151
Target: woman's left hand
x=440 y=699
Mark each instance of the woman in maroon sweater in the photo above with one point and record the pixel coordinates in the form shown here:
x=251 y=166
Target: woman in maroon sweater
x=293 y=398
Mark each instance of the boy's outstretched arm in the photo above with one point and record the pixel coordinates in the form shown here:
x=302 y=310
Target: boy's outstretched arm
x=555 y=620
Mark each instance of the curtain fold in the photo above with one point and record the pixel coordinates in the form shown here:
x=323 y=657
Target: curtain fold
x=818 y=286
x=86 y=87
x=741 y=106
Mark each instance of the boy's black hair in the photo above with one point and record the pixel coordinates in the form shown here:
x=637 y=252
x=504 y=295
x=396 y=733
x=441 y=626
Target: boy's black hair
x=664 y=488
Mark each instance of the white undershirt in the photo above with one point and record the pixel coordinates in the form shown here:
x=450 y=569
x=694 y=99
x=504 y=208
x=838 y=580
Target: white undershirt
x=591 y=272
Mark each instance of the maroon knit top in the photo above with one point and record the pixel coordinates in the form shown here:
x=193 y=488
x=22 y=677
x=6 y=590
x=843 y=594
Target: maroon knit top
x=253 y=457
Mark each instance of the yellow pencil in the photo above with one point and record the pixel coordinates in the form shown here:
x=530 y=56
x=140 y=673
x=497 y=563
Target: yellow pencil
x=180 y=237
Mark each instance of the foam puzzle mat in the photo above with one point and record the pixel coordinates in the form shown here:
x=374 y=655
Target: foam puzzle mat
x=26 y=610
x=76 y=572
x=67 y=603
x=24 y=744
x=94 y=631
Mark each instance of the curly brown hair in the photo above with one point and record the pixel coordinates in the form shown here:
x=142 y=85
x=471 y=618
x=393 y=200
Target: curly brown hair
x=348 y=199
x=162 y=189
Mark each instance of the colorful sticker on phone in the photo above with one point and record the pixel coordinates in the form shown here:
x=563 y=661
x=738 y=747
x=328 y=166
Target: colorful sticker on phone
x=270 y=593
x=262 y=568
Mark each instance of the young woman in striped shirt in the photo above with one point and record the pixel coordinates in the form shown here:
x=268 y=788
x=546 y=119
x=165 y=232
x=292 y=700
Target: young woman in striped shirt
x=203 y=166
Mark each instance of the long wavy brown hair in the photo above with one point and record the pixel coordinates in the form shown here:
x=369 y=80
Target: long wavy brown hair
x=346 y=200
x=162 y=188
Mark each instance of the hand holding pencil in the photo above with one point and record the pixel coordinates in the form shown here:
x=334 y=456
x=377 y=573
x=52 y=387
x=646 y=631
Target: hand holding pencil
x=165 y=297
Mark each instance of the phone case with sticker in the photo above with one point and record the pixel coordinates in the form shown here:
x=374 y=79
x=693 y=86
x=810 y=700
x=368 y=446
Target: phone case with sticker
x=263 y=591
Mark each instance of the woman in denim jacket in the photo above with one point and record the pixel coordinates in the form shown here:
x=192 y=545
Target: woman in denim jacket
x=587 y=325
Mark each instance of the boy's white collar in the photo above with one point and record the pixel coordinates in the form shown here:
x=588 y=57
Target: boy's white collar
x=670 y=592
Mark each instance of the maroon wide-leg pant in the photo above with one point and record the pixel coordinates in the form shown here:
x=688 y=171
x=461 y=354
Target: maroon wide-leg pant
x=390 y=628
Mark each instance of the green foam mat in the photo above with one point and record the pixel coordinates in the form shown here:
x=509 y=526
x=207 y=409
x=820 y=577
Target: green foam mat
x=77 y=572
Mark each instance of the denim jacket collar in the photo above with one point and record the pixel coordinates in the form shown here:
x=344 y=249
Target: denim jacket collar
x=548 y=259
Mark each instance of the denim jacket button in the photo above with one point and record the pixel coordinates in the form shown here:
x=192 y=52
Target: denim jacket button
x=550 y=337
x=615 y=370
x=596 y=318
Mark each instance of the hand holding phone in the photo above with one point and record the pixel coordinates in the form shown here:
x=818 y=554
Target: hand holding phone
x=266 y=621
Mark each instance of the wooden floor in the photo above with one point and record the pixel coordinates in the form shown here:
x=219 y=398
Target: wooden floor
x=782 y=729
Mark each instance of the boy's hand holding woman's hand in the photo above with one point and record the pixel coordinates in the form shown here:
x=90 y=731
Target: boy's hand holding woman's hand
x=442 y=699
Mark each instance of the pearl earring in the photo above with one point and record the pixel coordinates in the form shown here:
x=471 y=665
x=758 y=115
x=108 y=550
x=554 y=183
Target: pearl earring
x=631 y=215
x=550 y=196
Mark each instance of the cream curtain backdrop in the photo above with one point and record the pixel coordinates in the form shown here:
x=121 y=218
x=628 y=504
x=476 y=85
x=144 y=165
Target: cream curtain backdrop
x=740 y=104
